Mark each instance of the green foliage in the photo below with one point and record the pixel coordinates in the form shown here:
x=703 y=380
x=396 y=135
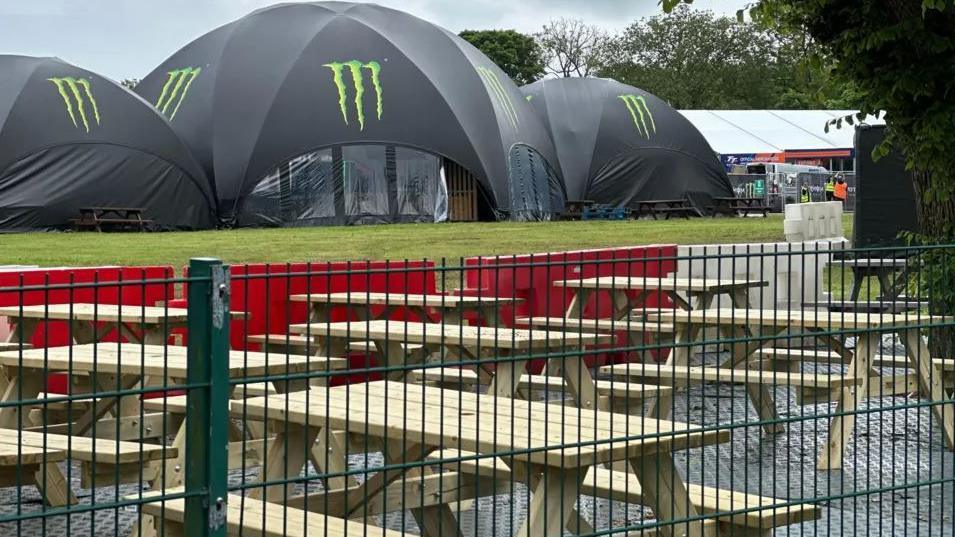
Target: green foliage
x=695 y=59
x=892 y=56
x=516 y=54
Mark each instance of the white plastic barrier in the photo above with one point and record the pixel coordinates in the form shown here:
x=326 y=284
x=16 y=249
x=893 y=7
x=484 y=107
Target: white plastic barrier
x=813 y=221
x=793 y=270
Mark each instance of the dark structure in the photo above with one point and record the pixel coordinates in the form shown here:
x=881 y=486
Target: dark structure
x=885 y=197
x=333 y=112
x=70 y=138
x=618 y=145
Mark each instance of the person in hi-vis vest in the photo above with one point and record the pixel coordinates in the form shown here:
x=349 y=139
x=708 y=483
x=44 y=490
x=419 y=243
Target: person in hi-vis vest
x=804 y=196
x=840 y=190
x=830 y=187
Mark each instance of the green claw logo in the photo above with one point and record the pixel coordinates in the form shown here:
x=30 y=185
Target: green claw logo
x=640 y=113
x=500 y=94
x=69 y=89
x=175 y=90
x=356 y=68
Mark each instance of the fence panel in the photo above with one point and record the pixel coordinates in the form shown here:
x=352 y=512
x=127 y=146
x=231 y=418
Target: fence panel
x=408 y=408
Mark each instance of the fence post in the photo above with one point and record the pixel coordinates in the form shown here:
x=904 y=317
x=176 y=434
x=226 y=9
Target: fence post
x=207 y=439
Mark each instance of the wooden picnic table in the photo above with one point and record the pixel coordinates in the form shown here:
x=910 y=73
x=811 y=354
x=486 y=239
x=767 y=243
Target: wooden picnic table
x=893 y=275
x=90 y=323
x=574 y=209
x=668 y=208
x=763 y=328
x=113 y=366
x=451 y=308
x=734 y=205
x=700 y=292
x=96 y=218
x=414 y=421
x=514 y=347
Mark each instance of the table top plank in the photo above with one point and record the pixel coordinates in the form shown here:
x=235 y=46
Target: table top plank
x=151 y=315
x=450 y=334
x=538 y=431
x=816 y=319
x=95 y=450
x=157 y=360
x=15 y=455
x=406 y=300
x=640 y=283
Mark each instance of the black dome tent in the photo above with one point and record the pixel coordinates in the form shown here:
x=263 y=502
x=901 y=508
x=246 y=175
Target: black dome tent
x=617 y=144
x=70 y=139
x=334 y=112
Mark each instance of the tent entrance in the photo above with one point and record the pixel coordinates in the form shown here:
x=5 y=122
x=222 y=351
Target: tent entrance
x=462 y=193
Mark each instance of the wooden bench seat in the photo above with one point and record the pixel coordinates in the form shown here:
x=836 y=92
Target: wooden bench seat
x=698 y=374
x=25 y=465
x=760 y=514
x=248 y=517
x=288 y=343
x=461 y=378
x=945 y=365
x=103 y=462
x=13 y=346
x=597 y=325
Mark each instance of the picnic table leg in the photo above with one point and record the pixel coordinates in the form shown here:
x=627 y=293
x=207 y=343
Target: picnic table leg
x=19 y=389
x=858 y=276
x=100 y=408
x=740 y=299
x=930 y=383
x=623 y=304
x=552 y=501
x=665 y=493
x=763 y=401
x=662 y=406
x=285 y=459
x=578 y=302
x=330 y=457
x=840 y=430
x=53 y=485
x=22 y=331
x=507 y=376
x=579 y=380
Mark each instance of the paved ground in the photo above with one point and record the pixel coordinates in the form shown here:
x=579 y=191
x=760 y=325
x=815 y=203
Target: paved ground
x=874 y=494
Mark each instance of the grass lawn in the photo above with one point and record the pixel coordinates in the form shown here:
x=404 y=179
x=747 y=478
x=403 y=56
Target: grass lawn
x=406 y=241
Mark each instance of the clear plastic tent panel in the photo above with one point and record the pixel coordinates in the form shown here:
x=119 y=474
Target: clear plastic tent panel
x=347 y=185
x=420 y=184
x=302 y=190
x=535 y=188
x=365 y=184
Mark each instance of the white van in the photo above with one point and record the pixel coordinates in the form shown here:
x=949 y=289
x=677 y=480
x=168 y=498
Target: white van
x=782 y=167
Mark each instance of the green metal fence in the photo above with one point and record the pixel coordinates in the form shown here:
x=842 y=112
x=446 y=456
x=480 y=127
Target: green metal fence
x=729 y=391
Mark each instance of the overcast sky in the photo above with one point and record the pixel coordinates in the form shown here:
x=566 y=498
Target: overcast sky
x=127 y=38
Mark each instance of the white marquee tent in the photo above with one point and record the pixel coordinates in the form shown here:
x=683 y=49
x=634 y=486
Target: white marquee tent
x=773 y=131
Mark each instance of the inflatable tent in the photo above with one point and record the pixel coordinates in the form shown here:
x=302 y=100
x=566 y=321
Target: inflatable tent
x=70 y=138
x=333 y=112
x=617 y=144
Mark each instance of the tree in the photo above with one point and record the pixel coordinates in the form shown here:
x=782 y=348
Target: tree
x=573 y=48
x=516 y=54
x=897 y=56
x=695 y=59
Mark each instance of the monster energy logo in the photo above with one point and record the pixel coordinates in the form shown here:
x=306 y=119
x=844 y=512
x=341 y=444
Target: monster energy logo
x=500 y=94
x=640 y=113
x=175 y=90
x=77 y=90
x=355 y=67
